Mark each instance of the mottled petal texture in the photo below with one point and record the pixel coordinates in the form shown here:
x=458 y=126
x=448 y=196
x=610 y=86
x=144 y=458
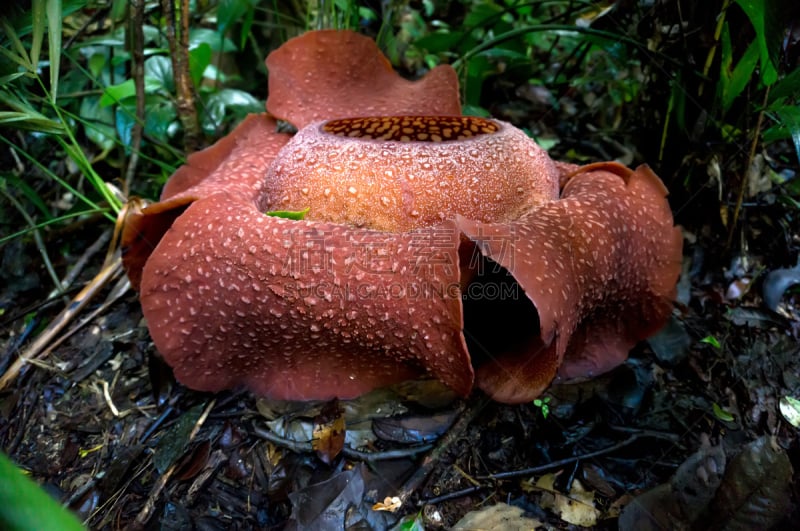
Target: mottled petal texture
x=235 y=164
x=301 y=310
x=405 y=172
x=328 y=74
x=600 y=266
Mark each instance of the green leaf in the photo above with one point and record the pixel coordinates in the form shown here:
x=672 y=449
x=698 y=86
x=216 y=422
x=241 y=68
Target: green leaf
x=119 y=9
x=721 y=414
x=711 y=340
x=37 y=34
x=54 y=23
x=23 y=115
x=220 y=103
x=96 y=63
x=161 y=118
x=125 y=119
x=475 y=110
x=213 y=38
x=767 y=19
x=440 y=41
x=159 y=68
x=31 y=122
x=733 y=80
x=787 y=125
x=482 y=14
x=21 y=56
x=24 y=506
x=5 y=80
x=790 y=409
x=411 y=522
x=199 y=59
x=296 y=215
x=231 y=11
x=101 y=118
x=117 y=93
x=175 y=440
x=788 y=87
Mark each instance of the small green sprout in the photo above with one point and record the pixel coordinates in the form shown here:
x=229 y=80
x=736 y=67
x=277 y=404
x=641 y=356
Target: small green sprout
x=721 y=413
x=711 y=340
x=543 y=405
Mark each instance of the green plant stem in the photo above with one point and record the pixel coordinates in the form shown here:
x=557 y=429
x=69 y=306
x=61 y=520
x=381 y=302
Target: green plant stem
x=59 y=180
x=746 y=171
x=77 y=155
x=37 y=237
x=713 y=50
x=49 y=222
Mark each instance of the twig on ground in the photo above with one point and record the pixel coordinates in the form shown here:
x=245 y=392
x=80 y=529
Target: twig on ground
x=119 y=289
x=306 y=447
x=155 y=492
x=80 y=264
x=454 y=495
x=37 y=349
x=547 y=466
x=569 y=460
x=468 y=414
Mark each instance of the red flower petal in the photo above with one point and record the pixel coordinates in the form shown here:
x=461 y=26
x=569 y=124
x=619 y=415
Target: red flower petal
x=237 y=163
x=322 y=75
x=600 y=266
x=303 y=310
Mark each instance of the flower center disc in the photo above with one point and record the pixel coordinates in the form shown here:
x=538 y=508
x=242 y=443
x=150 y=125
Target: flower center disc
x=411 y=128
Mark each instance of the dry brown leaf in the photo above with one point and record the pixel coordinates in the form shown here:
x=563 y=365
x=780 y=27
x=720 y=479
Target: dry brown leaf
x=576 y=508
x=389 y=503
x=329 y=432
x=500 y=516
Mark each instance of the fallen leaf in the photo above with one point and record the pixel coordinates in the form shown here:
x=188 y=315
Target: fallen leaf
x=678 y=503
x=754 y=493
x=790 y=409
x=328 y=435
x=413 y=429
x=323 y=506
x=776 y=283
x=575 y=508
x=390 y=503
x=175 y=440
x=500 y=516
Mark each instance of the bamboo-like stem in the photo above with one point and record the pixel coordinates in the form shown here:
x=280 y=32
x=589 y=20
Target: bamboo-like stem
x=750 y=156
x=136 y=41
x=178 y=38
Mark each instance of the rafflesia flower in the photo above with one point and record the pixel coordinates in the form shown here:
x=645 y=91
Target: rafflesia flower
x=432 y=243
